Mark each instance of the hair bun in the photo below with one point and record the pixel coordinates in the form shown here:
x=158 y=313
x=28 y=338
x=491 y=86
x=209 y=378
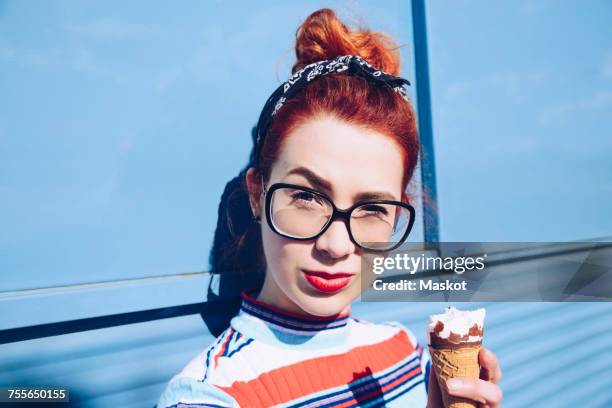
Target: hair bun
x=323 y=36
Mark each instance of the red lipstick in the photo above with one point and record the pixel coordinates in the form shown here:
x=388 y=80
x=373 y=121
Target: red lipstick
x=327 y=282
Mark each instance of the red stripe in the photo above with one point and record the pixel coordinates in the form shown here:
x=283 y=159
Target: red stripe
x=307 y=377
x=224 y=346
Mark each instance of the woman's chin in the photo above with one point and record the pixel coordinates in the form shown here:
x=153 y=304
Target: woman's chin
x=328 y=305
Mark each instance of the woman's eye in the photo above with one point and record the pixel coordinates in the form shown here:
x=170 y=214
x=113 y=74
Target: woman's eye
x=302 y=195
x=305 y=197
x=373 y=210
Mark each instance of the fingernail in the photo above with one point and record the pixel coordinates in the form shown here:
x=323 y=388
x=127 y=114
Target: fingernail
x=455 y=384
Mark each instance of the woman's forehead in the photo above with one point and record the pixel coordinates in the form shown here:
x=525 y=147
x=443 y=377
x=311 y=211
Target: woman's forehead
x=344 y=155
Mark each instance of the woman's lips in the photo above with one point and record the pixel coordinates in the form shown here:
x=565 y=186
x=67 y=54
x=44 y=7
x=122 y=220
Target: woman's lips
x=327 y=282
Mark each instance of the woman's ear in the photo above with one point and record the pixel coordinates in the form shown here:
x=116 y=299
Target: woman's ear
x=253 y=182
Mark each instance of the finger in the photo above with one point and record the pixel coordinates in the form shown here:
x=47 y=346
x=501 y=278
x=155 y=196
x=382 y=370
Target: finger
x=434 y=395
x=490 y=370
x=482 y=391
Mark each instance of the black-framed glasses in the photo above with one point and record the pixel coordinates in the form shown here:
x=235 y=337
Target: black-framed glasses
x=302 y=213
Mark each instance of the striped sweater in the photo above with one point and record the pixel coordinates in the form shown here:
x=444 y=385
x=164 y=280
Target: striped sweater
x=269 y=357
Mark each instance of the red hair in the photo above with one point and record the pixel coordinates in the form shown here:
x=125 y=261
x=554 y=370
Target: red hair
x=350 y=99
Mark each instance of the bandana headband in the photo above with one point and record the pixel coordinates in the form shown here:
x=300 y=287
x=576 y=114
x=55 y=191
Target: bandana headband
x=349 y=64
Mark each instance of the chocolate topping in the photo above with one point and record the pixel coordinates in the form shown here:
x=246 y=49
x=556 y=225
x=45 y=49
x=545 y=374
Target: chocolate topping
x=439 y=327
x=454 y=340
x=475 y=331
x=438 y=342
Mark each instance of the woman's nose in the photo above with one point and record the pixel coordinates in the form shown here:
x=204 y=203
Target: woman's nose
x=336 y=241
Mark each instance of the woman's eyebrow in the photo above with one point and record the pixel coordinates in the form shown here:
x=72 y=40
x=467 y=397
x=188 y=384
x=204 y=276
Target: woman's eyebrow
x=320 y=183
x=375 y=195
x=317 y=181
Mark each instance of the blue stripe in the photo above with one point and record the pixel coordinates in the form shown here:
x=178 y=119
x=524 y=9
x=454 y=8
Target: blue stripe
x=297 y=327
x=377 y=398
x=354 y=393
x=293 y=319
x=399 y=394
x=382 y=396
x=427 y=369
x=240 y=348
x=297 y=320
x=215 y=344
x=206 y=364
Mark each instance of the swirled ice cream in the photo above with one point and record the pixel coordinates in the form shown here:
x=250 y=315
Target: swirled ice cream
x=455 y=328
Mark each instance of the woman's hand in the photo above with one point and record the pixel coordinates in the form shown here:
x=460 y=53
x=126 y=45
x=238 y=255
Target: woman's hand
x=484 y=390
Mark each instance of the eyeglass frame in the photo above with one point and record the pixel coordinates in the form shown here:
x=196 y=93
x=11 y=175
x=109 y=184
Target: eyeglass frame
x=345 y=214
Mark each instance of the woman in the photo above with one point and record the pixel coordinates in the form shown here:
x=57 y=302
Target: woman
x=334 y=150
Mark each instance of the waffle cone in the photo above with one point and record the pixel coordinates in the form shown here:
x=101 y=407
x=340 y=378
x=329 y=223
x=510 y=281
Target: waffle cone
x=455 y=362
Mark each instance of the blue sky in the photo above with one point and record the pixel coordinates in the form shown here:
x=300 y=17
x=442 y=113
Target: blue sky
x=121 y=122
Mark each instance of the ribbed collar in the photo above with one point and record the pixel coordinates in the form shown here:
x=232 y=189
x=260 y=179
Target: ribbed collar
x=288 y=320
x=277 y=326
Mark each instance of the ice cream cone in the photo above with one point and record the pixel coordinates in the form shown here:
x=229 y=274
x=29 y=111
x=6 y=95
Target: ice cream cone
x=454 y=339
x=455 y=362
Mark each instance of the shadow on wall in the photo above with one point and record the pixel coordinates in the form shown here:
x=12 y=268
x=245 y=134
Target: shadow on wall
x=223 y=299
